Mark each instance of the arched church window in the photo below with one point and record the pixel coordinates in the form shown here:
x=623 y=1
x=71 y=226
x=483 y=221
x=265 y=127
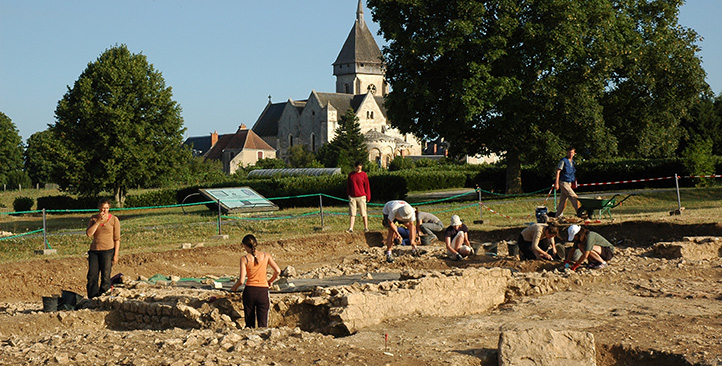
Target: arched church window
x=290 y=140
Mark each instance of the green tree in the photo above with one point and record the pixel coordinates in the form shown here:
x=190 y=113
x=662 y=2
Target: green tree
x=39 y=158
x=117 y=127
x=11 y=148
x=658 y=80
x=702 y=122
x=270 y=163
x=526 y=78
x=300 y=156
x=348 y=146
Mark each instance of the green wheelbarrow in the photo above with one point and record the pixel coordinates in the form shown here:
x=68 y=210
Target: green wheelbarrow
x=604 y=206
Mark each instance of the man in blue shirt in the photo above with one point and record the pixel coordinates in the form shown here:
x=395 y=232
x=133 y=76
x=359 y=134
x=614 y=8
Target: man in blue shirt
x=563 y=182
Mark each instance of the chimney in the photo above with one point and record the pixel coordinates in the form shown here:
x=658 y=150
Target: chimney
x=214 y=138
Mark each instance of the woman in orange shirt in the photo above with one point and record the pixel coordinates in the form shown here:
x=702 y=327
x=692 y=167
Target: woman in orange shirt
x=256 y=298
x=104 y=228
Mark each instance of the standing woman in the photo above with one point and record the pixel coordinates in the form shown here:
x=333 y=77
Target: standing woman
x=256 y=297
x=104 y=228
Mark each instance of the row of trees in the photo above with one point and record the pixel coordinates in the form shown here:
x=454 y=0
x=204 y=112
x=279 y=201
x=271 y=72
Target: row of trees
x=526 y=78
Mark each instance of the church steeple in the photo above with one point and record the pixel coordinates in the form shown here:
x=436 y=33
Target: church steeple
x=359 y=67
x=360 y=13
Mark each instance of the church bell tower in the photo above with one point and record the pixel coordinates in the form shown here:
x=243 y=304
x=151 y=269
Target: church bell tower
x=359 y=67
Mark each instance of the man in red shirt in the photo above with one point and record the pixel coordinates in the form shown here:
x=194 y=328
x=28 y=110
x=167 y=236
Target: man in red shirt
x=359 y=192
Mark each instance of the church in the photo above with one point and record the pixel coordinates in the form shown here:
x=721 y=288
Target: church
x=361 y=86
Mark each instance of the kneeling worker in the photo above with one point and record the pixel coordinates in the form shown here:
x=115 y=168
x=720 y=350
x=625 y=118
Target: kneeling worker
x=456 y=238
x=537 y=242
x=592 y=245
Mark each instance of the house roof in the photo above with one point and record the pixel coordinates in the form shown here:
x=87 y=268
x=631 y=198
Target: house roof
x=200 y=143
x=242 y=139
x=360 y=45
x=267 y=123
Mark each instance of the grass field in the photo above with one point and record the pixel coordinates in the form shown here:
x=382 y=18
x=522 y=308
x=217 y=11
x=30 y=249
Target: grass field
x=167 y=228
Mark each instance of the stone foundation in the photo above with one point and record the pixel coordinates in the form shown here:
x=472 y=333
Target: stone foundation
x=339 y=310
x=691 y=248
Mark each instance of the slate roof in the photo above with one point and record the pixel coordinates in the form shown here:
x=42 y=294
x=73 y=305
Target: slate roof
x=242 y=139
x=360 y=45
x=267 y=123
x=341 y=101
x=201 y=144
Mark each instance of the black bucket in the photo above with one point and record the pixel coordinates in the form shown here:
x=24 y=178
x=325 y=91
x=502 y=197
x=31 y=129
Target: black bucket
x=68 y=300
x=542 y=214
x=50 y=303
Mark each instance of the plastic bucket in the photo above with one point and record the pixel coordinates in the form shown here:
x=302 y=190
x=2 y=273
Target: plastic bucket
x=69 y=299
x=541 y=213
x=50 y=303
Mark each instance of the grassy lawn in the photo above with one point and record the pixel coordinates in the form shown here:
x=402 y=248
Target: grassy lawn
x=166 y=228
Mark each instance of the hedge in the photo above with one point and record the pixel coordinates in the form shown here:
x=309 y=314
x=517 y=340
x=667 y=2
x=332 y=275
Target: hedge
x=66 y=203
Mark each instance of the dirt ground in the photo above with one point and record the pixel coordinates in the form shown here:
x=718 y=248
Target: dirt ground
x=642 y=310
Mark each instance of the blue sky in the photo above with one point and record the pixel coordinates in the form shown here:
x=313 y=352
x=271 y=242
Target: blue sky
x=222 y=58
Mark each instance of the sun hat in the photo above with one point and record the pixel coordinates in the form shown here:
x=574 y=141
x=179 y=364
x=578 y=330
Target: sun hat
x=455 y=220
x=406 y=212
x=573 y=230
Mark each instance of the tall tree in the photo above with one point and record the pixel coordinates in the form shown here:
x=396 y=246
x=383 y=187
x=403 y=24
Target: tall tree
x=522 y=78
x=348 y=146
x=703 y=122
x=117 y=127
x=659 y=80
x=39 y=157
x=11 y=148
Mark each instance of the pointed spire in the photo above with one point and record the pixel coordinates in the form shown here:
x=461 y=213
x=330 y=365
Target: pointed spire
x=360 y=13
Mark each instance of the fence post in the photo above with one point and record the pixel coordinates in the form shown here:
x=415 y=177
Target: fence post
x=678 y=211
x=45 y=232
x=320 y=205
x=481 y=216
x=218 y=201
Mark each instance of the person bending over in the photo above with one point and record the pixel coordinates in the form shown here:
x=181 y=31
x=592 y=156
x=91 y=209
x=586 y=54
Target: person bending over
x=536 y=241
x=398 y=212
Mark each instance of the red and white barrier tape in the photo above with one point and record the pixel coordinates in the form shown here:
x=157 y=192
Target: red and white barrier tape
x=649 y=179
x=704 y=176
x=494 y=212
x=623 y=181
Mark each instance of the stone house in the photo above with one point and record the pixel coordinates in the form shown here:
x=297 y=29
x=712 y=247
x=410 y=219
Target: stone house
x=234 y=150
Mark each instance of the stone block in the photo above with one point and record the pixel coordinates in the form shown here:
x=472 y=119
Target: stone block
x=546 y=347
x=186 y=246
x=46 y=252
x=692 y=248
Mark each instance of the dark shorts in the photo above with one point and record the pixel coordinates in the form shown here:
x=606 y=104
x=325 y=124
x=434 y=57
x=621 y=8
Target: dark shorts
x=525 y=248
x=607 y=253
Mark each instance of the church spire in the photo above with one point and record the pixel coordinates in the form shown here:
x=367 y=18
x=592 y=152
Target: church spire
x=360 y=13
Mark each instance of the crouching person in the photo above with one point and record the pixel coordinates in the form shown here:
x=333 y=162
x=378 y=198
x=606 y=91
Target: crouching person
x=594 y=248
x=456 y=238
x=537 y=242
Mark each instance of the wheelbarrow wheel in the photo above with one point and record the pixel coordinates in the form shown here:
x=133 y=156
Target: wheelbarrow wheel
x=583 y=213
